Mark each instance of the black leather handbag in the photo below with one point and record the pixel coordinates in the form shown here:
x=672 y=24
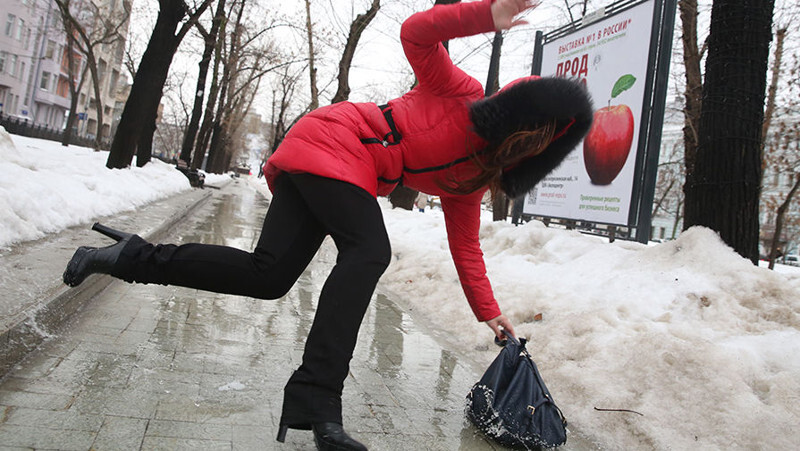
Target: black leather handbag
x=512 y=406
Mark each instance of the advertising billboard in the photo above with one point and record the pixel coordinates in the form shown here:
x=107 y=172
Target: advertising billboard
x=614 y=57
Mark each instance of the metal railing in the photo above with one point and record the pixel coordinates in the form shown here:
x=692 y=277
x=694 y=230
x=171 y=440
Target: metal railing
x=22 y=127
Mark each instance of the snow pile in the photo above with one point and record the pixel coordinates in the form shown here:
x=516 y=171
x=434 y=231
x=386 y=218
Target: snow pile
x=687 y=333
x=45 y=187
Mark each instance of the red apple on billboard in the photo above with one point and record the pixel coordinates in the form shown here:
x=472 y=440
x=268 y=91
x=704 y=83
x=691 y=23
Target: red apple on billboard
x=608 y=143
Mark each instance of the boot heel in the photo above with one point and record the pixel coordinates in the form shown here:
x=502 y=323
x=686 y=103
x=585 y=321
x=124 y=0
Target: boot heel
x=282 y=433
x=115 y=235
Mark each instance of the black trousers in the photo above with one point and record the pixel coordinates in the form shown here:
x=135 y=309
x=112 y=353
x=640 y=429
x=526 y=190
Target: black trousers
x=304 y=209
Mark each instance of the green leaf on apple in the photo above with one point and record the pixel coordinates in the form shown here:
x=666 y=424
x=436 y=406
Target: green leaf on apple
x=623 y=84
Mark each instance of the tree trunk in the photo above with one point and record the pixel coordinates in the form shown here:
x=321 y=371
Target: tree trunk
x=73 y=89
x=92 y=62
x=216 y=157
x=197 y=108
x=312 y=70
x=73 y=27
x=499 y=206
x=356 y=28
x=141 y=107
x=403 y=197
x=493 y=78
x=145 y=143
x=210 y=40
x=694 y=82
x=723 y=188
x=780 y=36
x=206 y=128
x=769 y=110
x=499 y=199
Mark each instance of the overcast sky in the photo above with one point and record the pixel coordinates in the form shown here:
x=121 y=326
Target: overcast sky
x=380 y=71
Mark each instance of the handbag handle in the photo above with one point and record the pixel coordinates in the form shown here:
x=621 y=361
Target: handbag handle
x=508 y=335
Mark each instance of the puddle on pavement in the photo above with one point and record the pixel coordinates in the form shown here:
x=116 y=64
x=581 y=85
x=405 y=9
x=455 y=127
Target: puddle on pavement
x=186 y=357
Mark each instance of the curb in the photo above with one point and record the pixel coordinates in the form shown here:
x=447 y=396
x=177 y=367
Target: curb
x=40 y=322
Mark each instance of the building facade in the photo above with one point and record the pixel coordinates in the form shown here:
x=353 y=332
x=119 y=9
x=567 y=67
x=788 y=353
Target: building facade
x=32 y=85
x=34 y=64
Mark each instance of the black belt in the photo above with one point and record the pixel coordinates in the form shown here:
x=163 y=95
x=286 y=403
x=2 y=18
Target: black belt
x=394 y=134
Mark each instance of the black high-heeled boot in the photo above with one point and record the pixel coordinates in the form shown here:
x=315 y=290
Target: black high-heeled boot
x=332 y=437
x=91 y=260
x=327 y=437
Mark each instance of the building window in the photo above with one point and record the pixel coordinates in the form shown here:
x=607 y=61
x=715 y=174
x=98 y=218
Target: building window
x=10 y=24
x=112 y=86
x=3 y=56
x=51 y=47
x=101 y=71
x=22 y=70
x=12 y=68
x=20 y=28
x=45 y=81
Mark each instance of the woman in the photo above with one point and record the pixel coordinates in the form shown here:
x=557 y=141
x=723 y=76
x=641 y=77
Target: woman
x=442 y=138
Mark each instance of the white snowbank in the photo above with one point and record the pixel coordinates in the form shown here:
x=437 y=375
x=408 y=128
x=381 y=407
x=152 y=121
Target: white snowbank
x=687 y=333
x=46 y=187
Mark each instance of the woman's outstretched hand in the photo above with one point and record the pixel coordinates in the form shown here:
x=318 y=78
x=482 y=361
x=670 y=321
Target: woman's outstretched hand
x=504 y=11
x=501 y=321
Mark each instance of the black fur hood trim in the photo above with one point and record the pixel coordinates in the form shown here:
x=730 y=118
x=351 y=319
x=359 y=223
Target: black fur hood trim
x=525 y=105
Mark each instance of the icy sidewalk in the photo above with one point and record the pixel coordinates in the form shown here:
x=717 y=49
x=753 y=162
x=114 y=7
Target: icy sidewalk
x=33 y=300
x=153 y=367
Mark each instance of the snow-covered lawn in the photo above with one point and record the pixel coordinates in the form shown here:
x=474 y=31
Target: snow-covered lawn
x=46 y=187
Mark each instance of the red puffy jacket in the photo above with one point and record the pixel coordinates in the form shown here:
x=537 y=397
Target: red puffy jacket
x=433 y=120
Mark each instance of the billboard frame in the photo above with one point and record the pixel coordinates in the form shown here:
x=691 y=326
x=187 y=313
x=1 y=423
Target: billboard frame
x=654 y=102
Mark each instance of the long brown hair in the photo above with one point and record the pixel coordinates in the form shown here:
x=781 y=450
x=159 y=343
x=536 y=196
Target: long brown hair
x=493 y=159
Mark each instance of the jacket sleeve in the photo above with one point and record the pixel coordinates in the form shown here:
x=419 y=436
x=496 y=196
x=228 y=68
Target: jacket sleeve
x=422 y=35
x=463 y=222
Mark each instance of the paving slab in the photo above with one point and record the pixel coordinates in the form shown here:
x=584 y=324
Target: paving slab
x=153 y=367
x=34 y=302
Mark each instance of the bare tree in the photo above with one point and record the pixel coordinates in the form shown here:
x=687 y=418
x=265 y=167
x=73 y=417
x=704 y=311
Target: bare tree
x=692 y=55
x=104 y=29
x=281 y=100
x=137 y=125
x=312 y=69
x=210 y=43
x=244 y=64
x=76 y=73
x=781 y=147
x=357 y=27
x=669 y=194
